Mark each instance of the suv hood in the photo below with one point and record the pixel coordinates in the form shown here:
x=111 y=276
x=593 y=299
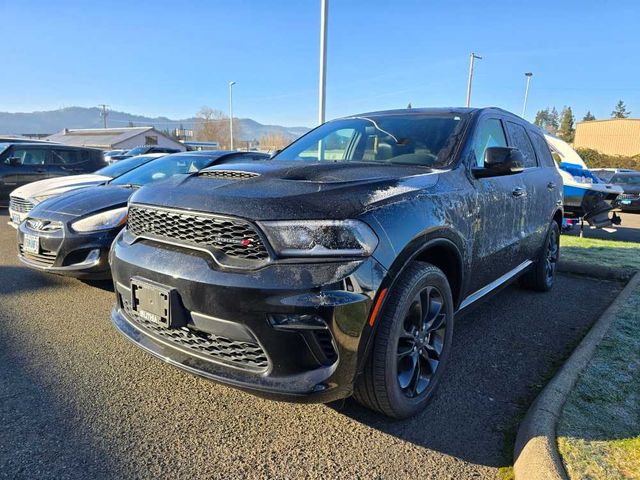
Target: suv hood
x=287 y=190
x=78 y=203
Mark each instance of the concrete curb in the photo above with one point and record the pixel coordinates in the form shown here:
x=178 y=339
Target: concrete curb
x=596 y=271
x=536 y=455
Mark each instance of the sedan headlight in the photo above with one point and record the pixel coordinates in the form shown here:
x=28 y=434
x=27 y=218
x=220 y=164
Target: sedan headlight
x=102 y=221
x=320 y=238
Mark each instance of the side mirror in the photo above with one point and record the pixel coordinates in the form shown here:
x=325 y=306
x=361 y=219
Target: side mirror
x=499 y=161
x=15 y=161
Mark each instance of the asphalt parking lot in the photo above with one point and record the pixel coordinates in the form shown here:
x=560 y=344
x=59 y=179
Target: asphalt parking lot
x=627 y=231
x=78 y=401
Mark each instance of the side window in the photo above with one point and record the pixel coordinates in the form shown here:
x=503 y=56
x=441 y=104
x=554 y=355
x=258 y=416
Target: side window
x=542 y=149
x=488 y=134
x=63 y=157
x=333 y=147
x=521 y=141
x=30 y=156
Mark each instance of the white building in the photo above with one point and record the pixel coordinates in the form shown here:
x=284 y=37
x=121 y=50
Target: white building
x=114 y=138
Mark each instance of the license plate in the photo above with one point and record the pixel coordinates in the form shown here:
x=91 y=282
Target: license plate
x=626 y=202
x=151 y=302
x=15 y=218
x=31 y=244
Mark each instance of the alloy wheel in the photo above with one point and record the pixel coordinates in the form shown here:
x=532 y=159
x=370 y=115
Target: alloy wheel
x=421 y=342
x=551 y=255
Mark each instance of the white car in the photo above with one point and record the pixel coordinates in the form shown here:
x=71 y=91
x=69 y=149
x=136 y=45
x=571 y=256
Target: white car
x=24 y=198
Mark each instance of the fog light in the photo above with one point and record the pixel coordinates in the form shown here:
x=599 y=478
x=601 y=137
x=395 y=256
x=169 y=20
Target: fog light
x=297 y=321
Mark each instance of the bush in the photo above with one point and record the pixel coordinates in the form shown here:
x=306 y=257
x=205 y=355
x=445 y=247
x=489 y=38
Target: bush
x=596 y=159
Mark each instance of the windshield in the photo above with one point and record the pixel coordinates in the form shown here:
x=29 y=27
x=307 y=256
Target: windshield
x=123 y=166
x=137 y=151
x=163 y=168
x=626 y=179
x=414 y=139
x=3 y=147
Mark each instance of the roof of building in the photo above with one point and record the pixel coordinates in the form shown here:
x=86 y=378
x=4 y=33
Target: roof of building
x=97 y=137
x=608 y=120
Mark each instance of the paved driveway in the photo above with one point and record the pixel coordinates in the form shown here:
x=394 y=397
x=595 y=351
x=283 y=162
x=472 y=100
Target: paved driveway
x=628 y=231
x=78 y=401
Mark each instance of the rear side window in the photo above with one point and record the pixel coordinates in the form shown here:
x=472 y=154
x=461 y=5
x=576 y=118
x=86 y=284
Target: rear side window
x=542 y=150
x=521 y=141
x=63 y=157
x=488 y=134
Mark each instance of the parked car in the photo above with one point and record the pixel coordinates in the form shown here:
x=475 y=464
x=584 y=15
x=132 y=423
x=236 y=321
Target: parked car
x=109 y=155
x=23 y=199
x=71 y=234
x=337 y=267
x=142 y=151
x=605 y=174
x=629 y=201
x=22 y=163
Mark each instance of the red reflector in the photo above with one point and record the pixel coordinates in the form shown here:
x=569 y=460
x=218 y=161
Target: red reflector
x=376 y=307
x=246 y=242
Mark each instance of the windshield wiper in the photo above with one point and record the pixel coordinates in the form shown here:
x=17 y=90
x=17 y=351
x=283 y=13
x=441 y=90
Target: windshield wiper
x=128 y=185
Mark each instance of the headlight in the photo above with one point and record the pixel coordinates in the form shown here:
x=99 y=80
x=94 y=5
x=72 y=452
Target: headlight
x=102 y=221
x=320 y=238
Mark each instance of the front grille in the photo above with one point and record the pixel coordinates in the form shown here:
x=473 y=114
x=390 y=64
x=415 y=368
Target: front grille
x=241 y=354
x=228 y=174
x=43 y=225
x=45 y=258
x=20 y=205
x=231 y=237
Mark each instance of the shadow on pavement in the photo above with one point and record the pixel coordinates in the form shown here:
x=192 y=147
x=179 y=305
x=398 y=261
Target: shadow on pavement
x=504 y=353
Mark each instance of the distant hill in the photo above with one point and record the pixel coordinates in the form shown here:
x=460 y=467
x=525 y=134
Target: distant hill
x=80 y=117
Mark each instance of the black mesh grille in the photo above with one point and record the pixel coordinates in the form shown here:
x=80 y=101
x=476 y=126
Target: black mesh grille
x=43 y=259
x=233 y=238
x=246 y=355
x=228 y=174
x=20 y=205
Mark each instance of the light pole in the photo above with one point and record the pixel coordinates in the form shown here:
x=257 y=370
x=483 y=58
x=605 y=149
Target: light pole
x=526 y=92
x=324 y=11
x=231 y=84
x=472 y=58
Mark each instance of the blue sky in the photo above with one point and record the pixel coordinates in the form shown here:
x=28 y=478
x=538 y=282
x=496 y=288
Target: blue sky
x=171 y=57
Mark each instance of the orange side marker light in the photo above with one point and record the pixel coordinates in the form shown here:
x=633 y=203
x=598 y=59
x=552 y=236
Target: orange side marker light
x=376 y=307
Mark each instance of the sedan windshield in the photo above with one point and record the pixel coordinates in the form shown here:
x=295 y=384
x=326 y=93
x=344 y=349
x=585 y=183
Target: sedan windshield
x=123 y=166
x=626 y=179
x=163 y=168
x=415 y=139
x=137 y=151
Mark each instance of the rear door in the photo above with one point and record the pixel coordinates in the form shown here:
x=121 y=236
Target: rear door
x=499 y=214
x=67 y=161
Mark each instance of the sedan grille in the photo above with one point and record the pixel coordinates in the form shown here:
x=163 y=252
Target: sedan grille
x=228 y=174
x=226 y=237
x=45 y=258
x=246 y=355
x=20 y=205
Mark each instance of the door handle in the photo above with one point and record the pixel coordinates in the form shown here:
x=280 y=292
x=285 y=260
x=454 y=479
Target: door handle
x=519 y=192
x=551 y=186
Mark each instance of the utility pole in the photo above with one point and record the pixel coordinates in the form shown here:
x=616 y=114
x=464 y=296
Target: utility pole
x=104 y=114
x=526 y=92
x=231 y=84
x=324 y=12
x=472 y=58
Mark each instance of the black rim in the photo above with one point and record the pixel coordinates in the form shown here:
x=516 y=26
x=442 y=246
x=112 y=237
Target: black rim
x=421 y=342
x=551 y=256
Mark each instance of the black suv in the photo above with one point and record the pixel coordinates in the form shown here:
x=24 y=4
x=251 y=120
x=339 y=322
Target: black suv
x=337 y=267
x=22 y=163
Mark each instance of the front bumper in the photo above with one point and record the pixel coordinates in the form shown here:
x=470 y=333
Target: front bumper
x=229 y=336
x=629 y=203
x=65 y=252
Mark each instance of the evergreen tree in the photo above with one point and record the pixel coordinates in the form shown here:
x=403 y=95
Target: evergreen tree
x=620 y=111
x=588 y=117
x=542 y=118
x=566 y=131
x=409 y=106
x=554 y=121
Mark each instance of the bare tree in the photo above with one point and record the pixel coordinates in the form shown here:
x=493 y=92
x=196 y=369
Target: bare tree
x=213 y=126
x=274 y=141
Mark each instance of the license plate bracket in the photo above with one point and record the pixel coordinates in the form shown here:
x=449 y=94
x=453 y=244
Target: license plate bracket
x=157 y=303
x=31 y=244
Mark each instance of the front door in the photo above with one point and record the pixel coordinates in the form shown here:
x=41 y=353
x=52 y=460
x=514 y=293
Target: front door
x=499 y=214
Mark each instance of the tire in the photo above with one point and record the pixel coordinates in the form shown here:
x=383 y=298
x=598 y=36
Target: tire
x=541 y=276
x=389 y=383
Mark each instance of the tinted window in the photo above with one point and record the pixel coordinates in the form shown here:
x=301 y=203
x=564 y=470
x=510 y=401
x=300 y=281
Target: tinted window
x=30 y=156
x=542 y=149
x=64 y=157
x=489 y=133
x=626 y=179
x=521 y=141
x=415 y=139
